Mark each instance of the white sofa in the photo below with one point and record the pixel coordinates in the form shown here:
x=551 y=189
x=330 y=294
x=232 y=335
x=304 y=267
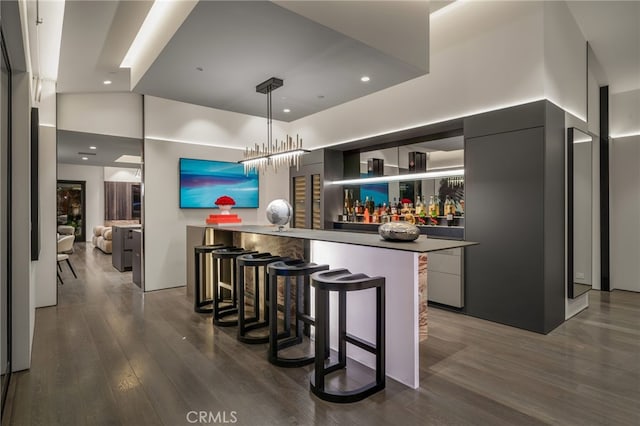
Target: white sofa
x=102 y=238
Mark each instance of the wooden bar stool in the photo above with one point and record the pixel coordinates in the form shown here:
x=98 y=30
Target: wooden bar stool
x=246 y=324
x=343 y=281
x=200 y=303
x=226 y=256
x=301 y=270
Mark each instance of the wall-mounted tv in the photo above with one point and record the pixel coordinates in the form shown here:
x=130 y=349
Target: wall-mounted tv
x=203 y=181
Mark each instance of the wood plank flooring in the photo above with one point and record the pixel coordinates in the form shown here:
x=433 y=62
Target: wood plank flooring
x=111 y=355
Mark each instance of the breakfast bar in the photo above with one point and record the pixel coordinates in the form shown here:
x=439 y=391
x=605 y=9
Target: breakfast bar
x=403 y=264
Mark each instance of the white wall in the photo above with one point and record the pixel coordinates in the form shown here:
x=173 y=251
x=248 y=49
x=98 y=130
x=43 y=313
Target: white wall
x=625 y=213
x=180 y=122
x=593 y=98
x=117 y=114
x=165 y=223
x=46 y=285
x=565 y=59
x=624 y=184
x=484 y=56
x=94 y=205
x=23 y=270
x=624 y=113
x=122 y=174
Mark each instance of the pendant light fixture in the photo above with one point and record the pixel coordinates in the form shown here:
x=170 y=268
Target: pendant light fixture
x=284 y=153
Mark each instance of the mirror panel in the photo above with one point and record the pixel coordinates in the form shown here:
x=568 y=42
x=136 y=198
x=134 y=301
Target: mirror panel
x=579 y=212
x=441 y=154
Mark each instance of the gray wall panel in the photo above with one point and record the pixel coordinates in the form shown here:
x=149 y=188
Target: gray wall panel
x=554 y=217
x=504 y=212
x=506 y=120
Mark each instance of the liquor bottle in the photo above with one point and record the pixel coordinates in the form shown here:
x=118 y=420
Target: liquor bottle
x=394 y=207
x=436 y=200
x=419 y=206
x=432 y=207
x=366 y=204
x=358 y=207
x=449 y=210
x=399 y=207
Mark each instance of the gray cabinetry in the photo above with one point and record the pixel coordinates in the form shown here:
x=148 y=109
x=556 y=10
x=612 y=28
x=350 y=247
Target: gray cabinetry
x=136 y=262
x=315 y=206
x=445 y=282
x=515 y=195
x=122 y=250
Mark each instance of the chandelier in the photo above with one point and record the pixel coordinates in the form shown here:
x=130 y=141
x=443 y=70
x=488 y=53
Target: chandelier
x=276 y=154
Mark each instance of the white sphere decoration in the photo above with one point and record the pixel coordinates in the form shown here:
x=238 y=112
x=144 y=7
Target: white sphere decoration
x=279 y=212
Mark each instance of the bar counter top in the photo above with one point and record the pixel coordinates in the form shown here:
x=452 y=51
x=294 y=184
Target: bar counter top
x=421 y=245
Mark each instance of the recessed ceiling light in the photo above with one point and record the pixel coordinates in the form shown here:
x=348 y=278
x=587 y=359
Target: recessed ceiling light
x=85 y=158
x=364 y=78
x=200 y=68
x=286 y=110
x=106 y=82
x=93 y=147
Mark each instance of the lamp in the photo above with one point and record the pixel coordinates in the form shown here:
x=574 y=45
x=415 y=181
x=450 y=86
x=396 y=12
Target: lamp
x=283 y=153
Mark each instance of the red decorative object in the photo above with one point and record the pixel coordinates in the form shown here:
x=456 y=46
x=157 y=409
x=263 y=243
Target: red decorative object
x=217 y=219
x=406 y=201
x=225 y=201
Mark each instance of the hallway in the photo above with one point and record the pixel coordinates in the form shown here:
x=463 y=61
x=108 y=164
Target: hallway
x=107 y=354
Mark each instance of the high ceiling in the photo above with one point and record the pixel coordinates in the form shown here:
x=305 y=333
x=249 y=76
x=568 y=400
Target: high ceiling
x=224 y=49
x=318 y=54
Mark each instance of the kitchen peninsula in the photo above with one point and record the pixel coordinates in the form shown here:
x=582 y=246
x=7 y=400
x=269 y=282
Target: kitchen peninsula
x=403 y=264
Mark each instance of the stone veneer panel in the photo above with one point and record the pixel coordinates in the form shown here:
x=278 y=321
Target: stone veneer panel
x=422 y=291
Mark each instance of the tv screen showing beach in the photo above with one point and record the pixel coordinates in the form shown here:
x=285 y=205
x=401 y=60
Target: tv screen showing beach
x=203 y=181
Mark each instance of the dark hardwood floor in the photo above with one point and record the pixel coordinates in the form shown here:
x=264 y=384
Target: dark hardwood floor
x=109 y=354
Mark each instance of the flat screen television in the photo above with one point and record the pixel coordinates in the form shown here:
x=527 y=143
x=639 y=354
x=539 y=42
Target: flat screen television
x=203 y=181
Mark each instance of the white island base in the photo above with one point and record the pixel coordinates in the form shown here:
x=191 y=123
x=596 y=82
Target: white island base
x=405 y=300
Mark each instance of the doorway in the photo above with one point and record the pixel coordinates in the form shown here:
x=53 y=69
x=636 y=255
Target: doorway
x=71 y=208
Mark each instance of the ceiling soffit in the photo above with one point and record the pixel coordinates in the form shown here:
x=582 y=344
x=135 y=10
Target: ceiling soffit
x=397 y=28
x=224 y=49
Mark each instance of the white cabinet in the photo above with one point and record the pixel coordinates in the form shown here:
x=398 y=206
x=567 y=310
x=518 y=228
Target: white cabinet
x=445 y=280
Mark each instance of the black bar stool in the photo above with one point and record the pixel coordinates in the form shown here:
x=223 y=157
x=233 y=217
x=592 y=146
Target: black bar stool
x=228 y=254
x=199 y=301
x=301 y=270
x=343 y=281
x=246 y=324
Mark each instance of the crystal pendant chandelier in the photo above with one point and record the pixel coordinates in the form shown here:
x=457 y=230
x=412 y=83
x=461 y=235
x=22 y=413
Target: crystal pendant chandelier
x=276 y=154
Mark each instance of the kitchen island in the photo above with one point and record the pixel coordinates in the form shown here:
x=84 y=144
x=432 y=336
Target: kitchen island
x=403 y=264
